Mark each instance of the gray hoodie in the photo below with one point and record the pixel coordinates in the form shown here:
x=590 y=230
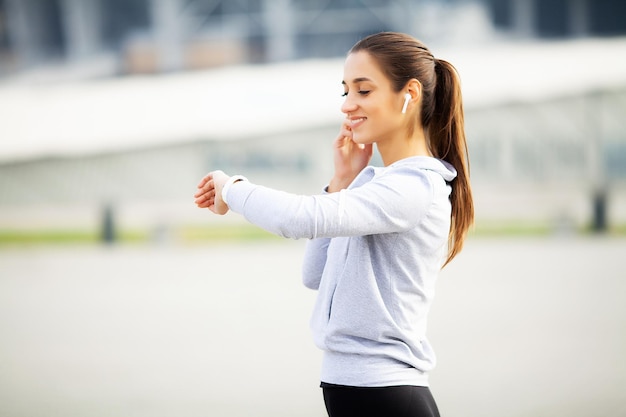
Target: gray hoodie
x=375 y=252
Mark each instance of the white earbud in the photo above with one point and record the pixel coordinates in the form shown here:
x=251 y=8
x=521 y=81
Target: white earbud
x=407 y=97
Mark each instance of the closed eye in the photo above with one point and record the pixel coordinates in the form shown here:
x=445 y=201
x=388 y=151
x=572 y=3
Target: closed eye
x=361 y=92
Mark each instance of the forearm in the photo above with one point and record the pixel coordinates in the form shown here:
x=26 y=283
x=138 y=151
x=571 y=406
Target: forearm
x=284 y=214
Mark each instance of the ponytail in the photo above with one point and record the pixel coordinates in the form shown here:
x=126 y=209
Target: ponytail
x=446 y=131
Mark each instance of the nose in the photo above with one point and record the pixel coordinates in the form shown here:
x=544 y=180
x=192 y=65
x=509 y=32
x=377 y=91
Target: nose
x=348 y=105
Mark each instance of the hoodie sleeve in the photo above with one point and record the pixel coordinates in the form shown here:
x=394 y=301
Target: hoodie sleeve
x=314 y=262
x=392 y=202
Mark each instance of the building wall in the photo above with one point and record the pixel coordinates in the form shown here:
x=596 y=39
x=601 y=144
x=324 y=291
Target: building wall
x=530 y=162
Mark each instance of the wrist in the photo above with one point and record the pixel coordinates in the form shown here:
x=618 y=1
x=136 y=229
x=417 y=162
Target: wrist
x=228 y=184
x=337 y=184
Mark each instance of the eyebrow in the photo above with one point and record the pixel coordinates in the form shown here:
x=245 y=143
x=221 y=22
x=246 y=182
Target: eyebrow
x=357 y=80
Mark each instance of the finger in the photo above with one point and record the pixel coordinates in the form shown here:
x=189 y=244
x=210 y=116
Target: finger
x=206 y=187
x=201 y=198
x=205 y=179
x=205 y=202
x=346 y=131
x=342 y=141
x=207 y=196
x=209 y=177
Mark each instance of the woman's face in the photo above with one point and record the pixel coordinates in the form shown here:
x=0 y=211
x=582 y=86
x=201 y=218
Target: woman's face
x=373 y=109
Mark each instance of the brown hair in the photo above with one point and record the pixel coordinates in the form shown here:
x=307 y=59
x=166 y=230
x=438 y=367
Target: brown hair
x=402 y=58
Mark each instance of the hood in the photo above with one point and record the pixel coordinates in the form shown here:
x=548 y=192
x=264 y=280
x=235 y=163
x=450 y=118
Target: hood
x=443 y=168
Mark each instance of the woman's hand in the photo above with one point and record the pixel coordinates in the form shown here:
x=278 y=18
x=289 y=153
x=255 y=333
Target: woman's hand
x=209 y=193
x=350 y=158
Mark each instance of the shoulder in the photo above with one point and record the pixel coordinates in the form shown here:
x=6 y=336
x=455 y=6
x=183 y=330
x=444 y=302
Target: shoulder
x=420 y=164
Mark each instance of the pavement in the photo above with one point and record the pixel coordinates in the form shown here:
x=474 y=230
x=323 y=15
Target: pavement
x=522 y=327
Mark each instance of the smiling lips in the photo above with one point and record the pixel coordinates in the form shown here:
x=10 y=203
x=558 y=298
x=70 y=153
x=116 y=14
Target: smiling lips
x=355 y=122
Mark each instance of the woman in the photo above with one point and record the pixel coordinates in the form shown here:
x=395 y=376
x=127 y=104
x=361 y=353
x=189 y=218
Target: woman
x=378 y=235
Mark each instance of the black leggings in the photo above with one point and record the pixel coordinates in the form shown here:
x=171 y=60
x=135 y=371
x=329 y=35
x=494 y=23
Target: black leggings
x=397 y=401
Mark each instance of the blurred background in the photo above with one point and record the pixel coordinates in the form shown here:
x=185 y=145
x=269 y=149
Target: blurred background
x=112 y=110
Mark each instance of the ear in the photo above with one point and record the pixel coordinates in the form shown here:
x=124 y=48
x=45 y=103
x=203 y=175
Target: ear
x=414 y=87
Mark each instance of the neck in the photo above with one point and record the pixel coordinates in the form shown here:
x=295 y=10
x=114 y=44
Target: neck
x=402 y=147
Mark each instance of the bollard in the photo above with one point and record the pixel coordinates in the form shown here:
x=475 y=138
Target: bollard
x=599 y=223
x=108 y=225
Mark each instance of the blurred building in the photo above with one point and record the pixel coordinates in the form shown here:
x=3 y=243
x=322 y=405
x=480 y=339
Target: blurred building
x=164 y=35
x=544 y=87
x=559 y=18
x=546 y=133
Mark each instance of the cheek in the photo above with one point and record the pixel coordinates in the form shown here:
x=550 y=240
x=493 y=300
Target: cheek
x=388 y=117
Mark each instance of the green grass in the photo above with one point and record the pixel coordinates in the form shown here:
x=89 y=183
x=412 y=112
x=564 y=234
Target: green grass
x=521 y=228
x=61 y=237
x=619 y=229
x=187 y=234
x=246 y=232
x=228 y=232
x=511 y=229
x=21 y=237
